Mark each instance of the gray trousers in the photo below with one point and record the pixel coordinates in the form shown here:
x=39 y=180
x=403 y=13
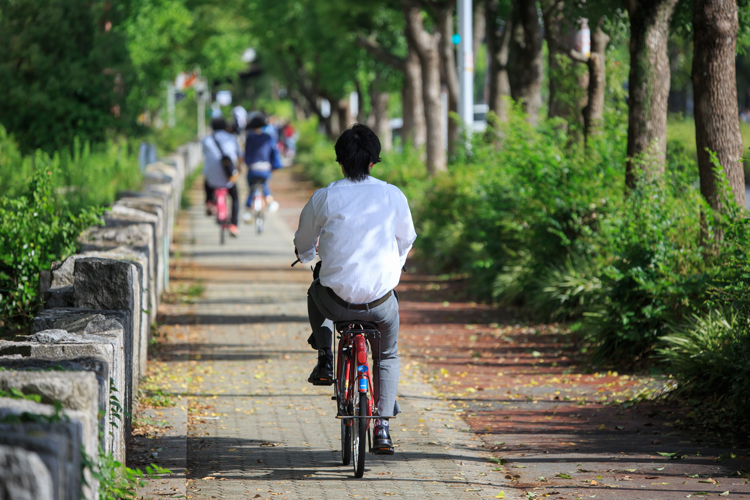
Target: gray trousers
x=320 y=306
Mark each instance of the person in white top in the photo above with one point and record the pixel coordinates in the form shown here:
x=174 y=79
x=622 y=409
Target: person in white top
x=362 y=229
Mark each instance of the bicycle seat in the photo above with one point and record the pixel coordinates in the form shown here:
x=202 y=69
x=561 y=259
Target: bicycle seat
x=358 y=325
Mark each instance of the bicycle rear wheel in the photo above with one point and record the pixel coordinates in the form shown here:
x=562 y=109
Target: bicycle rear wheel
x=359 y=438
x=222 y=234
x=259 y=222
x=346 y=439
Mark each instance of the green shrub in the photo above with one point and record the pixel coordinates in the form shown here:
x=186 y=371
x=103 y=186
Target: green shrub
x=710 y=355
x=35 y=230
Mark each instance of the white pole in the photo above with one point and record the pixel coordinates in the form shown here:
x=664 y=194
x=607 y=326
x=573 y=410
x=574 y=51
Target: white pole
x=466 y=63
x=201 y=117
x=170 y=105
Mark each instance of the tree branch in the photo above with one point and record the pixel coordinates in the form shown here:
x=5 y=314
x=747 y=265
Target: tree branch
x=378 y=52
x=555 y=4
x=573 y=54
x=296 y=76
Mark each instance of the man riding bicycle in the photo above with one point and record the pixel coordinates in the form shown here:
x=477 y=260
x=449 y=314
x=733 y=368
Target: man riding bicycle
x=364 y=231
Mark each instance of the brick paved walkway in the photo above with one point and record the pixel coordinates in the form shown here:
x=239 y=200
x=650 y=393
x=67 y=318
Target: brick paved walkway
x=255 y=427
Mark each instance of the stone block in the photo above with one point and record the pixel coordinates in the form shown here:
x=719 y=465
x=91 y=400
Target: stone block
x=160 y=186
x=163 y=170
x=58 y=443
x=23 y=475
x=113 y=285
x=157 y=206
x=148 y=297
x=177 y=161
x=76 y=390
x=115 y=443
x=138 y=237
x=69 y=347
x=119 y=215
x=62 y=296
x=100 y=323
x=155 y=209
x=164 y=202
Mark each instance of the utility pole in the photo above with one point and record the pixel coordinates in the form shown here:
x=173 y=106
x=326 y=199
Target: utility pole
x=465 y=64
x=170 y=104
x=202 y=96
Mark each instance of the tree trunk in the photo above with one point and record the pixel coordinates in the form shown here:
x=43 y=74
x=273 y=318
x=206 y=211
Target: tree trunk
x=333 y=127
x=450 y=72
x=414 y=129
x=344 y=111
x=593 y=113
x=429 y=58
x=361 y=115
x=554 y=30
x=717 y=126
x=381 y=121
x=527 y=67
x=648 y=88
x=498 y=45
x=478 y=28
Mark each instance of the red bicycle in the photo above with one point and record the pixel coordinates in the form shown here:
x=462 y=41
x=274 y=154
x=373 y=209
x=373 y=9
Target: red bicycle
x=354 y=391
x=220 y=200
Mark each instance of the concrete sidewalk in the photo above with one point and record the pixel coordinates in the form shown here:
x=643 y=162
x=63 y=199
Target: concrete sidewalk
x=255 y=427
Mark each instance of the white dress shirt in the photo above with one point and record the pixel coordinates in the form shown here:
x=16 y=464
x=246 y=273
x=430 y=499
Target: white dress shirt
x=364 y=232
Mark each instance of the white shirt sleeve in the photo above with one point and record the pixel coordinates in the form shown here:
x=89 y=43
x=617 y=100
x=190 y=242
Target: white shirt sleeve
x=405 y=233
x=307 y=233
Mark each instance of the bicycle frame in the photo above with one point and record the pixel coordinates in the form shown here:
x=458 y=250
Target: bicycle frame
x=354 y=376
x=258 y=198
x=220 y=195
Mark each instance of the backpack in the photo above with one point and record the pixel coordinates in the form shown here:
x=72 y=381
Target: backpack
x=226 y=162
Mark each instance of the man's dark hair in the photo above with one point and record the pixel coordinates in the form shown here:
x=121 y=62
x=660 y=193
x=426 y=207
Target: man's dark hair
x=357 y=147
x=218 y=123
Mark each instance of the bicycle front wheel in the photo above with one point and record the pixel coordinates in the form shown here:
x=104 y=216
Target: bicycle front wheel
x=359 y=438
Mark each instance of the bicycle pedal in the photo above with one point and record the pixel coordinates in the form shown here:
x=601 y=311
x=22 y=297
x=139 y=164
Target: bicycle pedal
x=333 y=398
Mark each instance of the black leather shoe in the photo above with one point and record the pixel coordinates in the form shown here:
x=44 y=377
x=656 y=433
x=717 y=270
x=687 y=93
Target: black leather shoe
x=381 y=441
x=322 y=374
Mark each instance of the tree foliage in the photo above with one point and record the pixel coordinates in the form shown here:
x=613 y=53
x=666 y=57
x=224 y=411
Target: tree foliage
x=88 y=68
x=59 y=68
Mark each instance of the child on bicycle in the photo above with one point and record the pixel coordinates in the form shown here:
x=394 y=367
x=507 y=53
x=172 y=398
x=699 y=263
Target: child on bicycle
x=261 y=158
x=364 y=230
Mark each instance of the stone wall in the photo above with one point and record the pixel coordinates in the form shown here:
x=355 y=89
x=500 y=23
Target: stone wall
x=70 y=384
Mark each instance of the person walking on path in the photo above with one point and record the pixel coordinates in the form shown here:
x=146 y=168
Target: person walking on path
x=261 y=158
x=364 y=230
x=215 y=147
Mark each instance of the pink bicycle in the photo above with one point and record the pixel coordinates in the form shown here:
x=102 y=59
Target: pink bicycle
x=222 y=218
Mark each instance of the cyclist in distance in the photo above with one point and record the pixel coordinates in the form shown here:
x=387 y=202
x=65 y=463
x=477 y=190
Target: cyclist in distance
x=364 y=230
x=261 y=158
x=215 y=146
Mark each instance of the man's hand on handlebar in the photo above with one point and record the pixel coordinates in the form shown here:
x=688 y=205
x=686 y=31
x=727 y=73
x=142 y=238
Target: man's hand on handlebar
x=297 y=254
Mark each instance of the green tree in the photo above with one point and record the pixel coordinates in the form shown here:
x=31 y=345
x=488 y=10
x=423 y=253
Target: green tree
x=61 y=69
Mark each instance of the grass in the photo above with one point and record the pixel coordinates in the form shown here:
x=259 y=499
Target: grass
x=185 y=294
